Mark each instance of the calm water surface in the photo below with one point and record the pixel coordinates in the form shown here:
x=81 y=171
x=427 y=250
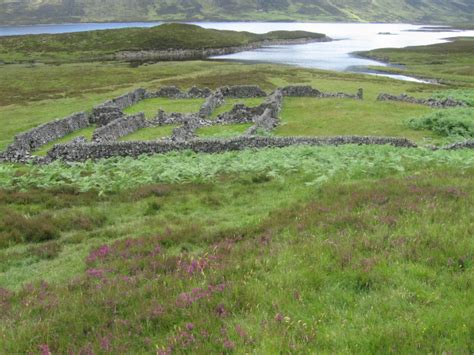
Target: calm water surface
x=336 y=55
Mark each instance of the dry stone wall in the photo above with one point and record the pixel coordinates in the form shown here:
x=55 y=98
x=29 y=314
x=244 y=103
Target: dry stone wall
x=308 y=91
x=173 y=92
x=119 y=128
x=104 y=114
x=242 y=91
x=82 y=152
x=435 y=103
x=212 y=102
x=35 y=138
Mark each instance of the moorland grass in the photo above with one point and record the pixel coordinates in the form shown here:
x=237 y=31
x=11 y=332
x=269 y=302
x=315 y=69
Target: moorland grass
x=332 y=117
x=448 y=62
x=253 y=263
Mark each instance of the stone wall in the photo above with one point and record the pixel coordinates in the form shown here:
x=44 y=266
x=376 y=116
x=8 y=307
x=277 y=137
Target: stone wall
x=244 y=114
x=111 y=110
x=196 y=54
x=308 y=91
x=300 y=91
x=129 y=99
x=265 y=123
x=435 y=103
x=104 y=114
x=469 y=144
x=212 y=102
x=82 y=152
x=242 y=91
x=119 y=128
x=27 y=142
x=173 y=92
x=240 y=114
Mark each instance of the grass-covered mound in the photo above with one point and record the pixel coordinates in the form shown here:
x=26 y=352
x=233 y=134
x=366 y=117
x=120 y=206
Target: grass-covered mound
x=99 y=44
x=303 y=249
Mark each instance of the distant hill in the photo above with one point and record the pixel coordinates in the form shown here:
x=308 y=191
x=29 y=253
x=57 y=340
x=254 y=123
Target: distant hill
x=59 y=11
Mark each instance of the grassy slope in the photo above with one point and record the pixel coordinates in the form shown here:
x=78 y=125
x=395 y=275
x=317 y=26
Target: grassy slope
x=94 y=45
x=316 y=249
x=425 y=11
x=316 y=266
x=448 y=62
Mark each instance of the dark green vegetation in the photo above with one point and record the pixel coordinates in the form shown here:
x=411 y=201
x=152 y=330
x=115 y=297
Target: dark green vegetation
x=100 y=45
x=354 y=249
x=58 y=11
x=279 y=256
x=456 y=123
x=448 y=62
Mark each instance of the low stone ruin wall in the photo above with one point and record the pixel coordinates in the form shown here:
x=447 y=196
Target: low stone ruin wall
x=265 y=123
x=240 y=114
x=119 y=128
x=82 y=152
x=242 y=91
x=244 y=114
x=174 y=118
x=173 y=92
x=435 y=103
x=212 y=102
x=35 y=138
x=196 y=54
x=129 y=99
x=104 y=114
x=111 y=110
x=469 y=144
x=308 y=91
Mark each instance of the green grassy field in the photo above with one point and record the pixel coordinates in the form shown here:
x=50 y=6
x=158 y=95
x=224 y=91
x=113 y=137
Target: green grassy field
x=332 y=117
x=447 y=62
x=219 y=131
x=351 y=249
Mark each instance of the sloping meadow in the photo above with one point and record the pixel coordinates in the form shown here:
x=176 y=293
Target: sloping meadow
x=301 y=249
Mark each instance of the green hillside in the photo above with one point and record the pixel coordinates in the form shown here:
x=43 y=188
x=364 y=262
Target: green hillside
x=56 y=11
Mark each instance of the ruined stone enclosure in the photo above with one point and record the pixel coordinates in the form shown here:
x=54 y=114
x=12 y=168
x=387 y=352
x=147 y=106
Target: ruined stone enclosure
x=248 y=115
